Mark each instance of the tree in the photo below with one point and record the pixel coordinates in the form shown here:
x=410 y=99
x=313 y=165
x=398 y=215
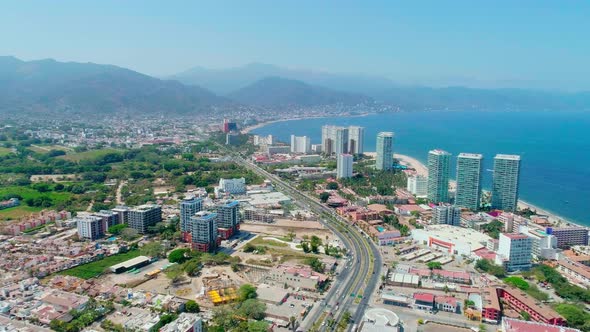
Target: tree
x=292 y=321
x=192 y=306
x=332 y=186
x=178 y=256
x=153 y=249
x=247 y=291
x=324 y=196
x=482 y=327
x=257 y=326
x=192 y=266
x=117 y=229
x=434 y=265
x=525 y=315
x=129 y=234
x=175 y=273
x=305 y=247
x=252 y=308
x=315 y=264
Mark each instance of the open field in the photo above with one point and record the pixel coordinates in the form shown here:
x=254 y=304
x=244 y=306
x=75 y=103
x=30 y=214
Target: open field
x=4 y=151
x=18 y=212
x=92 y=154
x=91 y=270
x=26 y=193
x=46 y=148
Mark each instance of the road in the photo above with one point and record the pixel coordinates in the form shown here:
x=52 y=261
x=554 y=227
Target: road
x=362 y=277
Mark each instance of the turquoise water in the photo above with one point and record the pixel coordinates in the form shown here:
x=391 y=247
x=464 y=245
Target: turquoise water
x=555 y=147
x=380 y=229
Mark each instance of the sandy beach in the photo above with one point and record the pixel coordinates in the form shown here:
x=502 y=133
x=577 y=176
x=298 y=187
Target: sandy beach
x=421 y=169
x=248 y=129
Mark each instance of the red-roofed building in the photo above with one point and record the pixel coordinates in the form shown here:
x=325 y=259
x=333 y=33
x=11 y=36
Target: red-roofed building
x=424 y=301
x=485 y=254
x=448 y=303
x=519 y=301
x=516 y=325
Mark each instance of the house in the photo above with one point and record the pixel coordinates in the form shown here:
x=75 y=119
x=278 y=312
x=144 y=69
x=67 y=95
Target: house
x=448 y=304
x=424 y=301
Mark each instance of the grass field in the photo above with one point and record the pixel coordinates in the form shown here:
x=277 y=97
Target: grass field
x=4 y=151
x=92 y=154
x=46 y=148
x=259 y=241
x=26 y=192
x=91 y=270
x=18 y=212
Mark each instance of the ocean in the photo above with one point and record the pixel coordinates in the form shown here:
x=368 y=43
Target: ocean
x=554 y=146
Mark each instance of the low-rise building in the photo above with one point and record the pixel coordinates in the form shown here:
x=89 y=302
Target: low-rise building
x=576 y=273
x=424 y=301
x=516 y=325
x=186 y=322
x=519 y=301
x=448 y=304
x=297 y=276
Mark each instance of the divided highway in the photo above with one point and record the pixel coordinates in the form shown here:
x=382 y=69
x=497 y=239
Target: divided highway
x=352 y=289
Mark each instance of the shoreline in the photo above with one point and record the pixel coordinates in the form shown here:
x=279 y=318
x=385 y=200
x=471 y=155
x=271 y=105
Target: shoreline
x=248 y=129
x=421 y=169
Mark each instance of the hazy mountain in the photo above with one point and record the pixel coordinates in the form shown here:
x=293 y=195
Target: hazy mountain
x=48 y=85
x=224 y=81
x=282 y=92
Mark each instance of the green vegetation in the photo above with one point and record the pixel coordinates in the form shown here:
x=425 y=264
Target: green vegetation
x=153 y=249
x=517 y=282
x=434 y=265
x=116 y=229
x=4 y=151
x=164 y=319
x=368 y=181
x=192 y=306
x=332 y=186
x=93 y=269
x=324 y=196
x=315 y=264
x=93 y=312
x=493 y=229
x=561 y=285
x=575 y=315
x=18 y=212
x=488 y=266
x=91 y=154
x=393 y=221
x=259 y=241
x=178 y=256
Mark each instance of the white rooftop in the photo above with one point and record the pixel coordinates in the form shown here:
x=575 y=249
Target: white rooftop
x=470 y=155
x=507 y=156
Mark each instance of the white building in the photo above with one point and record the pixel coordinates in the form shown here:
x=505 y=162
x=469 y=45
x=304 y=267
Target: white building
x=384 y=146
x=344 y=166
x=184 y=323
x=90 y=227
x=300 y=144
x=418 y=185
x=505 y=182
x=469 y=173
x=446 y=214
x=514 y=252
x=543 y=245
x=451 y=239
x=334 y=139
x=439 y=164
x=356 y=137
x=233 y=186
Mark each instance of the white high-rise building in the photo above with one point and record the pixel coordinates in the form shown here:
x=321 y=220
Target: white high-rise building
x=446 y=214
x=439 y=165
x=334 y=140
x=469 y=171
x=90 y=227
x=505 y=182
x=356 y=136
x=418 y=185
x=514 y=252
x=189 y=206
x=344 y=166
x=384 y=158
x=300 y=144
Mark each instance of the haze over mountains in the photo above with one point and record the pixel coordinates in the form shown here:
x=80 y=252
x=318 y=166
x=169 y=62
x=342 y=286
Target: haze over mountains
x=49 y=85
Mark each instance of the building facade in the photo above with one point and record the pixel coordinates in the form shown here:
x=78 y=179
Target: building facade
x=505 y=182
x=446 y=214
x=228 y=219
x=204 y=231
x=418 y=185
x=233 y=186
x=344 y=166
x=109 y=218
x=356 y=137
x=384 y=147
x=90 y=227
x=144 y=216
x=514 y=252
x=439 y=166
x=188 y=208
x=300 y=144
x=569 y=236
x=469 y=173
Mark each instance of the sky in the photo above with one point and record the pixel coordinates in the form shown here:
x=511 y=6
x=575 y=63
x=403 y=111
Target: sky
x=532 y=44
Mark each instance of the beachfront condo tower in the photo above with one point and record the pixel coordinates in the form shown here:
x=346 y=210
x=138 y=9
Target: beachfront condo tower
x=355 y=139
x=439 y=166
x=505 y=182
x=334 y=140
x=469 y=172
x=384 y=151
x=344 y=166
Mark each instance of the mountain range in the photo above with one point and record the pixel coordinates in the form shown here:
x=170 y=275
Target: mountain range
x=88 y=88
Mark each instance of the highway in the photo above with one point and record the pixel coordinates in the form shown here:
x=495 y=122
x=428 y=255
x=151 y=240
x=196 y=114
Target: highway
x=361 y=277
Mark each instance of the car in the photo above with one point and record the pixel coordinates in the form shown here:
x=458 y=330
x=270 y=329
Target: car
x=292 y=305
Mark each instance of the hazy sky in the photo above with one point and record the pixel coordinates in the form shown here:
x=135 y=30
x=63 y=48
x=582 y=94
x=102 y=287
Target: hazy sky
x=540 y=44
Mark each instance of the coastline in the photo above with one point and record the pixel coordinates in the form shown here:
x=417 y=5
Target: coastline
x=421 y=169
x=248 y=129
